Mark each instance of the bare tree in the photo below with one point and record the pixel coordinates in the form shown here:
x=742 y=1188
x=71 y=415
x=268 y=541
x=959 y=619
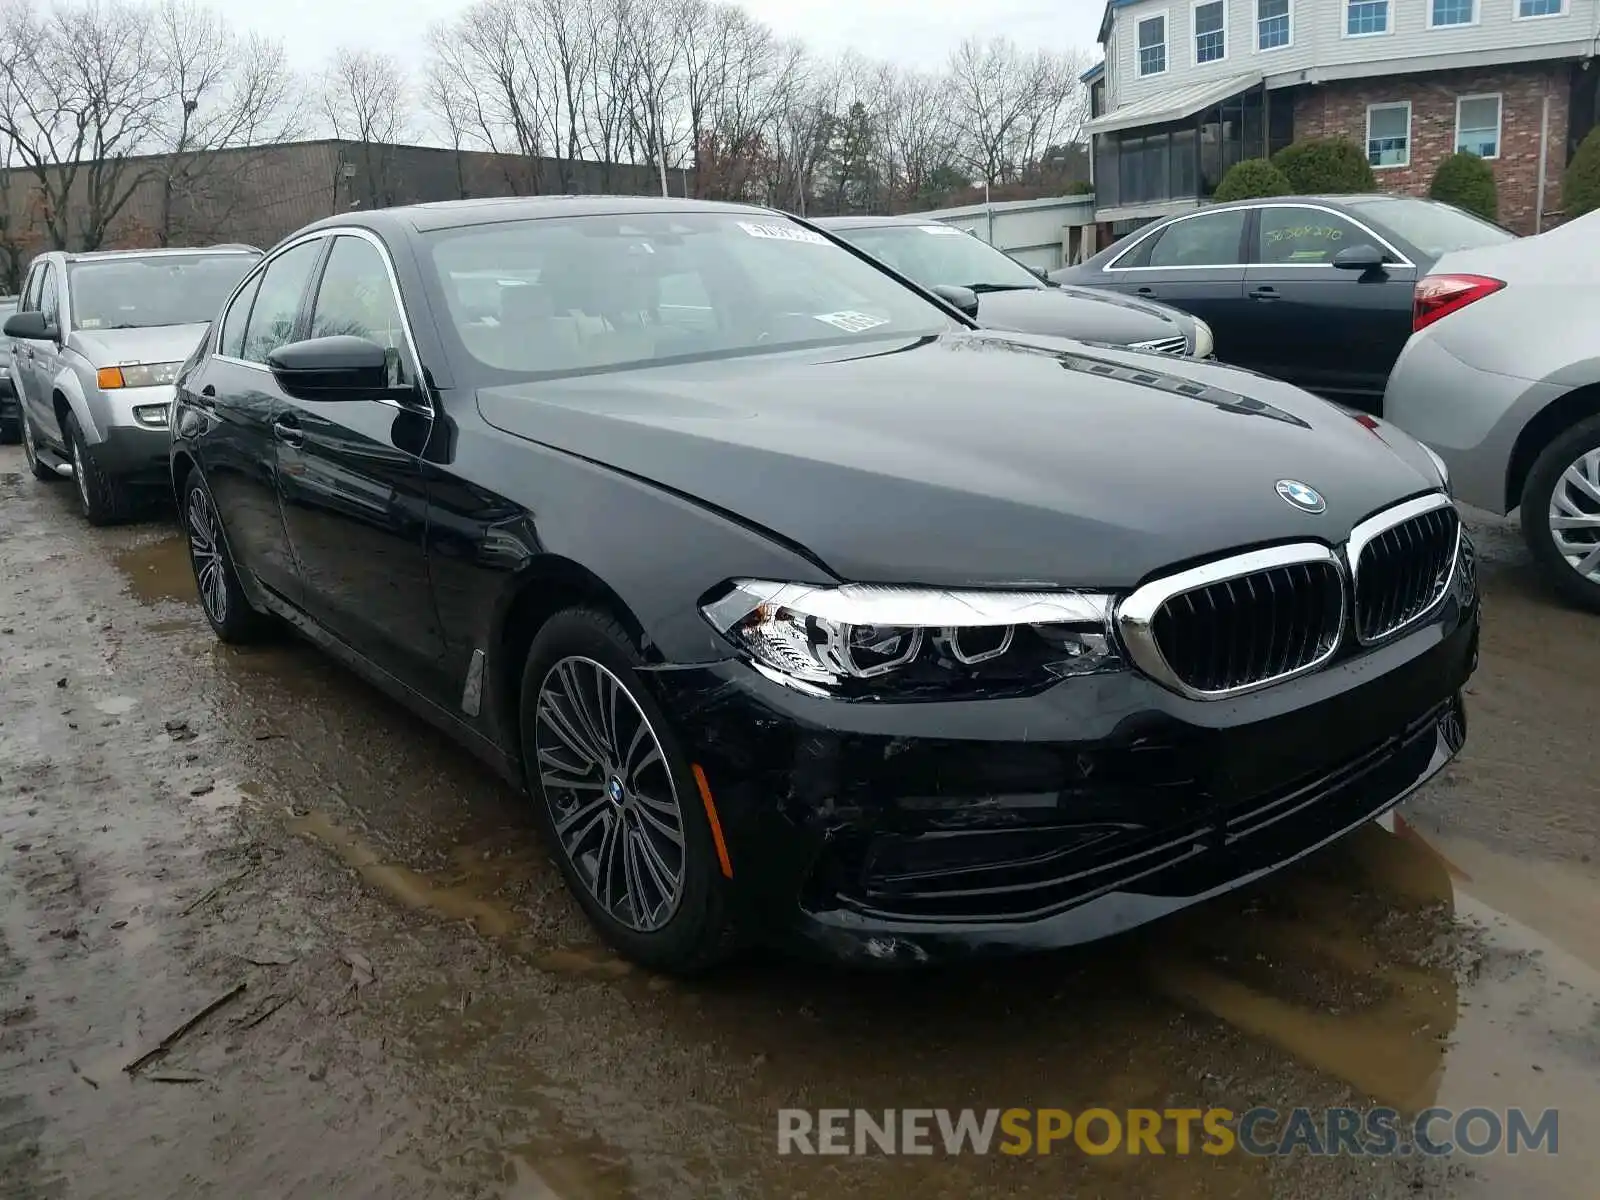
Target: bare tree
x=228 y=95
x=484 y=62
x=1013 y=106
x=365 y=100
x=82 y=88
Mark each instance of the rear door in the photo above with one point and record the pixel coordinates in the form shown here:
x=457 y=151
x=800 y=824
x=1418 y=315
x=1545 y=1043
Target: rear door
x=41 y=357
x=243 y=400
x=1196 y=264
x=1335 y=332
x=351 y=480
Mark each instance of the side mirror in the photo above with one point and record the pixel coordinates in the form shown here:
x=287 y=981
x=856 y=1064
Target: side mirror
x=1359 y=258
x=331 y=368
x=30 y=326
x=963 y=298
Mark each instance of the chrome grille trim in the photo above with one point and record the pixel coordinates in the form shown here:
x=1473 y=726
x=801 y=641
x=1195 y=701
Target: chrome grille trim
x=1166 y=345
x=1415 y=521
x=1136 y=616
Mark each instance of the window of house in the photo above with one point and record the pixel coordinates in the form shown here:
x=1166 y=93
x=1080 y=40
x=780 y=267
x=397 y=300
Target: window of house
x=1210 y=31
x=1272 y=24
x=1153 y=45
x=1389 y=134
x=1363 y=17
x=1452 y=12
x=1540 y=8
x=1478 y=125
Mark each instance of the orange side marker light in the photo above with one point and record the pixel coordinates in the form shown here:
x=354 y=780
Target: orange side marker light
x=711 y=816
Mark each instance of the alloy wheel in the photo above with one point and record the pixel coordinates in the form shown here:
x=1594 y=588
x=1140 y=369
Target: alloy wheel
x=78 y=473
x=612 y=799
x=205 y=551
x=1574 y=515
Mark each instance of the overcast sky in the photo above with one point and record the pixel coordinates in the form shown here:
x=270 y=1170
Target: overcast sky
x=920 y=32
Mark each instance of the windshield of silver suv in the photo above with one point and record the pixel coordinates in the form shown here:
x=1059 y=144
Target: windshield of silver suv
x=941 y=255
x=163 y=289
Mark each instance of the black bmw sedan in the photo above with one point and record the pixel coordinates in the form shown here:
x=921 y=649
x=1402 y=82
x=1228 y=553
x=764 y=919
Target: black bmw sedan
x=802 y=607
x=1315 y=290
x=1006 y=295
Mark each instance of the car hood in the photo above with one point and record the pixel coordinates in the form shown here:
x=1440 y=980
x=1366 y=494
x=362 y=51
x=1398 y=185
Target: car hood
x=1078 y=312
x=157 y=344
x=978 y=459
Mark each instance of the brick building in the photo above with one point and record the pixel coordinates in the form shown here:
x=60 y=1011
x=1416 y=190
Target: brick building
x=1190 y=87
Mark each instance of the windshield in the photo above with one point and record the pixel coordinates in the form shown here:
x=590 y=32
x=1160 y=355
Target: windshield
x=1434 y=229
x=167 y=289
x=941 y=255
x=555 y=296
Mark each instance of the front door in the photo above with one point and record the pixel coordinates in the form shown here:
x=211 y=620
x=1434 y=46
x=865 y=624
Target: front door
x=1332 y=331
x=38 y=359
x=1196 y=264
x=352 y=484
x=236 y=390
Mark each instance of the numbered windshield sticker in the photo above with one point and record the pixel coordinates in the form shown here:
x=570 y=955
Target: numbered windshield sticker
x=942 y=230
x=782 y=233
x=852 y=322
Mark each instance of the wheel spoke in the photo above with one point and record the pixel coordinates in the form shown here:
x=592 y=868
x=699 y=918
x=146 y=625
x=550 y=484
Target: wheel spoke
x=1577 y=479
x=663 y=876
x=632 y=878
x=606 y=862
x=556 y=719
x=581 y=814
x=650 y=814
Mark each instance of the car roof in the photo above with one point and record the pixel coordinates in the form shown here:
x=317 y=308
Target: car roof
x=156 y=252
x=489 y=210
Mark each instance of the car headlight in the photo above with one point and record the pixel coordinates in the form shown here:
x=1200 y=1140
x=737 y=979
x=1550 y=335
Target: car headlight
x=1438 y=465
x=1204 y=344
x=867 y=641
x=137 y=375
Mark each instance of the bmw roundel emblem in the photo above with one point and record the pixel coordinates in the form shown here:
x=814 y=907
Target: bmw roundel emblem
x=1302 y=496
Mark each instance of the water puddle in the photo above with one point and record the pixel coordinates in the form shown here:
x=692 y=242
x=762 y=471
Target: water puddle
x=158 y=571
x=454 y=900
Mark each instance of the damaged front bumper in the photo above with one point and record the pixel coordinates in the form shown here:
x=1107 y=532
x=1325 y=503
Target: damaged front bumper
x=912 y=832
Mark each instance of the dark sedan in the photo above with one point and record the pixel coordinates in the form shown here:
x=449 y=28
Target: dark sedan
x=1315 y=290
x=801 y=605
x=1006 y=295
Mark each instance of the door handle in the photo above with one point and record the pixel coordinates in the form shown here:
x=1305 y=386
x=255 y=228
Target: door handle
x=1263 y=293
x=1144 y=291
x=287 y=430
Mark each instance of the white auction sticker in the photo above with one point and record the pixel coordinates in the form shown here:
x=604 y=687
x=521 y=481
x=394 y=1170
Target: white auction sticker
x=852 y=322
x=942 y=230
x=782 y=233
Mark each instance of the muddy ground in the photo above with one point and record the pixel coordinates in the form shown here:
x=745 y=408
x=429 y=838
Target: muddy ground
x=410 y=1006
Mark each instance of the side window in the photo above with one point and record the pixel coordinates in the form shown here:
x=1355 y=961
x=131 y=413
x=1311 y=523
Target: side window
x=1304 y=236
x=278 y=301
x=1139 y=255
x=1209 y=241
x=355 y=298
x=50 y=296
x=30 y=291
x=231 y=340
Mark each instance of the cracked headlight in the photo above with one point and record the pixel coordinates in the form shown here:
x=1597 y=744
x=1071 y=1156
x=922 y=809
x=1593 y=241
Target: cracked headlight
x=869 y=641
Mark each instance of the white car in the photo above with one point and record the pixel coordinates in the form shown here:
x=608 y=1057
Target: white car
x=1501 y=378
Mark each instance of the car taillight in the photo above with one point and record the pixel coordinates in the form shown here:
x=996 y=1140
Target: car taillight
x=1440 y=295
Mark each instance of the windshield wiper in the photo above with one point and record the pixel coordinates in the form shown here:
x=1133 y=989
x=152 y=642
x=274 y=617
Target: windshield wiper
x=981 y=288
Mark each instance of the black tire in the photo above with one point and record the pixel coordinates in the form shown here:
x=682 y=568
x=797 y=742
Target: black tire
x=699 y=932
x=1537 y=494
x=104 y=499
x=228 y=611
x=40 y=472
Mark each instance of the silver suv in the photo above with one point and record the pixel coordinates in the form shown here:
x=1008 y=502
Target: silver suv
x=95 y=345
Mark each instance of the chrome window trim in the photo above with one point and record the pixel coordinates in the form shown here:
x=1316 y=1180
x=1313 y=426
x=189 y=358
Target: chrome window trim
x=1366 y=532
x=1379 y=240
x=1137 y=613
x=337 y=231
